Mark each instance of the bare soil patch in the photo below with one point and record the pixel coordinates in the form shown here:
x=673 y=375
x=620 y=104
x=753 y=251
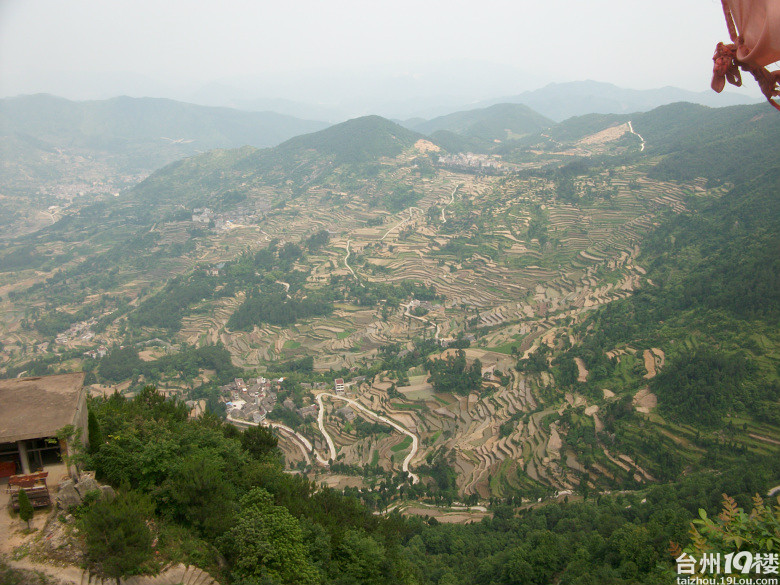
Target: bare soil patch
x=649 y=364
x=426 y=146
x=644 y=400
x=447 y=517
x=765 y=439
x=607 y=135
x=582 y=375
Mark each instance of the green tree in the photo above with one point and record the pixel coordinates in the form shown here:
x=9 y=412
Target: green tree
x=94 y=434
x=25 y=507
x=118 y=538
x=734 y=530
x=453 y=374
x=199 y=496
x=362 y=560
x=259 y=442
x=266 y=543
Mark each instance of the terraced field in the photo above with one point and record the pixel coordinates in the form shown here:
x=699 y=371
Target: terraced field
x=523 y=295
x=513 y=263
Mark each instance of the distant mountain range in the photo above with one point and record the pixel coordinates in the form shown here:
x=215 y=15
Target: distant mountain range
x=676 y=128
x=146 y=132
x=557 y=101
x=46 y=141
x=58 y=152
x=150 y=132
x=560 y=101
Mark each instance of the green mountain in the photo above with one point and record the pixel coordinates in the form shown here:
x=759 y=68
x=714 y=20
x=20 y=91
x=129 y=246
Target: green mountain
x=719 y=144
x=723 y=144
x=354 y=141
x=495 y=123
x=302 y=159
x=55 y=153
x=579 y=127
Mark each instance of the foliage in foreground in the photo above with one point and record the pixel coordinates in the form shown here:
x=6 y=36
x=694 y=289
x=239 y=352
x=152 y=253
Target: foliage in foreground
x=118 y=539
x=217 y=491
x=734 y=532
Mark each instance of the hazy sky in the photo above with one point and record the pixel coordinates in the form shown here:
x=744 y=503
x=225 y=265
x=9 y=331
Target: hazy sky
x=481 y=48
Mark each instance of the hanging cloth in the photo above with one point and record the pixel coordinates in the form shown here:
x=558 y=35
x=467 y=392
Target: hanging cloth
x=754 y=28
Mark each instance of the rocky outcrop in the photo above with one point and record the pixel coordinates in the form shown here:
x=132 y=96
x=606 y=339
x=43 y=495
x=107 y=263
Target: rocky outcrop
x=67 y=495
x=72 y=493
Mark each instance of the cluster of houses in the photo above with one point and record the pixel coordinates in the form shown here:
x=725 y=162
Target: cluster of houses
x=445 y=342
x=303 y=411
x=202 y=215
x=100 y=352
x=347 y=413
x=81 y=330
x=73 y=188
x=469 y=160
x=427 y=305
x=223 y=221
x=251 y=400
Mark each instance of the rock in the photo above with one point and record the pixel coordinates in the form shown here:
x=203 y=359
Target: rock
x=85 y=474
x=87 y=484
x=67 y=496
x=107 y=492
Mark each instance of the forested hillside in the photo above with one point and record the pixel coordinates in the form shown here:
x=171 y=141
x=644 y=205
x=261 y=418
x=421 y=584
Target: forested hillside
x=496 y=123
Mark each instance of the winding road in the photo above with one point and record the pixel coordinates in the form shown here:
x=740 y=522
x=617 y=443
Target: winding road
x=395 y=227
x=346 y=258
x=320 y=421
x=407 y=313
x=286 y=286
x=321 y=424
x=302 y=442
x=452 y=200
x=349 y=267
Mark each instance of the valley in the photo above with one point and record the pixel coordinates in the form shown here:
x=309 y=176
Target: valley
x=373 y=294
x=363 y=253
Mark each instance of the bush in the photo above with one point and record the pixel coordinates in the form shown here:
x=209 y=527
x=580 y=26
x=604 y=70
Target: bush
x=119 y=541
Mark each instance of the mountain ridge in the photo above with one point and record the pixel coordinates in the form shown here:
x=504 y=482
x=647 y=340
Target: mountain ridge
x=561 y=101
x=496 y=122
x=114 y=123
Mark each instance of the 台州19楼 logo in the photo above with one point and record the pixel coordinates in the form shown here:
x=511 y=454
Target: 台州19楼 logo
x=742 y=568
